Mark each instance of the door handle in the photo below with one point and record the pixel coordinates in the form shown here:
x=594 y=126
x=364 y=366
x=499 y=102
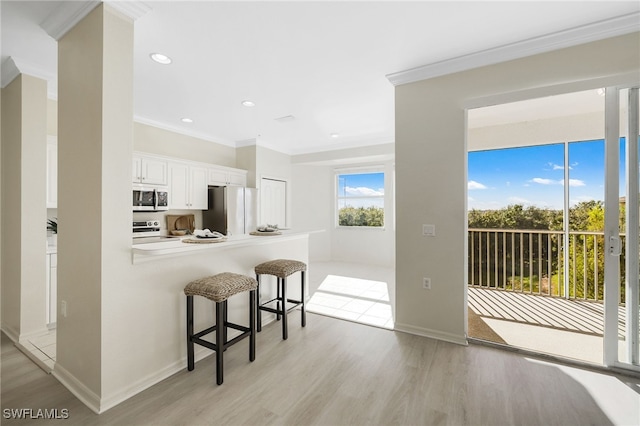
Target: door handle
x=614 y=246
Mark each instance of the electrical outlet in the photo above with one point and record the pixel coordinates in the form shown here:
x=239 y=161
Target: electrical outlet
x=426 y=283
x=429 y=230
x=63 y=308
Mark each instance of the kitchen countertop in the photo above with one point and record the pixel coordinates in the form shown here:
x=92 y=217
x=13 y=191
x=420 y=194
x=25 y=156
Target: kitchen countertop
x=173 y=247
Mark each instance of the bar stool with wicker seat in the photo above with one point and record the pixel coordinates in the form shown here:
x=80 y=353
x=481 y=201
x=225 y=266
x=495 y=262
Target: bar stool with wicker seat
x=219 y=288
x=281 y=268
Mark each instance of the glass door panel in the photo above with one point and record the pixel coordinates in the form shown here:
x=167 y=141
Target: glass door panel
x=622 y=229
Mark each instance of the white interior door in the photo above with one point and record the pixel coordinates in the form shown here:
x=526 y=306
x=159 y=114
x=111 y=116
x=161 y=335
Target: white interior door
x=273 y=202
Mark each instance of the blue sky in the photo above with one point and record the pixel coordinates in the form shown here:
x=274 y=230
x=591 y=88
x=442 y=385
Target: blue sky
x=535 y=175
x=362 y=185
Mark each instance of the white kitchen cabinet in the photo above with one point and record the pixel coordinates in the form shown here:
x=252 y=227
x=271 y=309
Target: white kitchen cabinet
x=52 y=174
x=51 y=290
x=188 y=186
x=224 y=177
x=149 y=170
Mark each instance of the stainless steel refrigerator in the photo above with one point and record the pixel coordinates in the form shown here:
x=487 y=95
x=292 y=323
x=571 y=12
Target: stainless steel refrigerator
x=232 y=210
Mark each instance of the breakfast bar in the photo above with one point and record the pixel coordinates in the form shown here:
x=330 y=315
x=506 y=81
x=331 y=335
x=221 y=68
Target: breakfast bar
x=151 y=296
x=177 y=247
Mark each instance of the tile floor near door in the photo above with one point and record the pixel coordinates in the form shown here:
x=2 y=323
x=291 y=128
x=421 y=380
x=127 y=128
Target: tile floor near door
x=359 y=293
x=42 y=350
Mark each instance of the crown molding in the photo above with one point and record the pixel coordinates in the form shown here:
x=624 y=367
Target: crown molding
x=12 y=67
x=132 y=9
x=182 y=131
x=600 y=30
x=69 y=13
x=66 y=16
x=9 y=71
x=246 y=142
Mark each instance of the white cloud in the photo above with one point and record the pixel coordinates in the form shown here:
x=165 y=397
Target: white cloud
x=518 y=200
x=472 y=184
x=581 y=198
x=543 y=181
x=574 y=182
x=560 y=167
x=363 y=191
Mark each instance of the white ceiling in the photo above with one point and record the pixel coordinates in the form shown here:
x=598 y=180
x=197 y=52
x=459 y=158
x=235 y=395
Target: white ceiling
x=324 y=63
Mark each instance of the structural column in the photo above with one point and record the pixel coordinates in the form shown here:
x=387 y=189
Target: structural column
x=95 y=143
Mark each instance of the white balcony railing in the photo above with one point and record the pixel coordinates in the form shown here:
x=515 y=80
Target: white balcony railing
x=532 y=261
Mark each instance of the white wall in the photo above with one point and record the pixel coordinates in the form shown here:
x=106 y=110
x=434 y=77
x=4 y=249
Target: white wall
x=24 y=211
x=431 y=157
x=164 y=142
x=314 y=204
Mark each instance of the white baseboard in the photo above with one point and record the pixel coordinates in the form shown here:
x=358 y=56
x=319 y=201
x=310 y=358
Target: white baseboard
x=153 y=379
x=433 y=334
x=100 y=405
x=37 y=333
x=76 y=387
x=150 y=380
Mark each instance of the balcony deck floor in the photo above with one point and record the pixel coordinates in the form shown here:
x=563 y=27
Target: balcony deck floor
x=552 y=325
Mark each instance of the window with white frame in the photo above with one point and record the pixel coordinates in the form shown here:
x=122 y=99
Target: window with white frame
x=360 y=198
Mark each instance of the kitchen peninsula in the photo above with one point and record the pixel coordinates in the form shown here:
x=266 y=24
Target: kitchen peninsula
x=177 y=247
x=151 y=297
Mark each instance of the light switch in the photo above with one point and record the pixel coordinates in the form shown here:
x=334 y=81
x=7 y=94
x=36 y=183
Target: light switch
x=429 y=230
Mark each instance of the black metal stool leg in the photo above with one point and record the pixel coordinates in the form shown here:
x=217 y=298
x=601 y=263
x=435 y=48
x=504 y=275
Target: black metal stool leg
x=252 y=325
x=278 y=297
x=190 y=352
x=219 y=341
x=303 y=310
x=259 y=319
x=283 y=281
x=224 y=324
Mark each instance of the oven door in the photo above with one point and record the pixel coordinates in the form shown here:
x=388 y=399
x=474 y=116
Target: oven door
x=144 y=199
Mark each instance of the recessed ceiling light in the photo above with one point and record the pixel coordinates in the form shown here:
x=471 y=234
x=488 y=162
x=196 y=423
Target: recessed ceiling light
x=248 y=103
x=160 y=58
x=186 y=120
x=334 y=135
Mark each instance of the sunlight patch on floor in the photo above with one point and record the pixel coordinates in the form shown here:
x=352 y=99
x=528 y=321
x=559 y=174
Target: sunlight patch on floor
x=353 y=299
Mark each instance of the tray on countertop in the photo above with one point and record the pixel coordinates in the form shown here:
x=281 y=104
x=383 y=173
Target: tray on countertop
x=196 y=240
x=265 y=233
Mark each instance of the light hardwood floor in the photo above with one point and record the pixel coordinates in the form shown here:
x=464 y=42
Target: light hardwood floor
x=335 y=372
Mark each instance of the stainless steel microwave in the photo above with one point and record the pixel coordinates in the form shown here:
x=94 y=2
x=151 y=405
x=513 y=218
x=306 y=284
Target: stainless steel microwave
x=150 y=199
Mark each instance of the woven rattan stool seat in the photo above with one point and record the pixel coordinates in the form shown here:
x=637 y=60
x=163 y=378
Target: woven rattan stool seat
x=221 y=286
x=280 y=268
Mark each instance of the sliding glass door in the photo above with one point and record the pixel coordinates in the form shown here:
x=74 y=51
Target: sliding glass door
x=622 y=229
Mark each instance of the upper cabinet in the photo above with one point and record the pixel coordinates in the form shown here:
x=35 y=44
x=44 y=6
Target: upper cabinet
x=187 y=180
x=149 y=170
x=188 y=186
x=52 y=173
x=227 y=177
